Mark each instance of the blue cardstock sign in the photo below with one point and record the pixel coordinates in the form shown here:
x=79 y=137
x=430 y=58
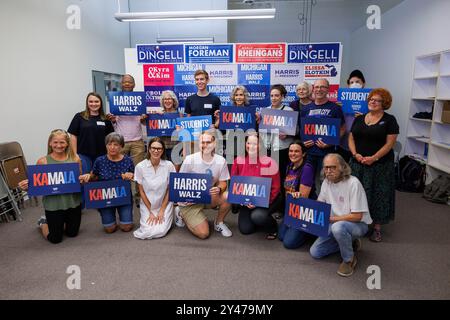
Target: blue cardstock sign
x=237 y=117
x=250 y=190
x=127 y=103
x=284 y=121
x=190 y=187
x=161 y=125
x=160 y=53
x=325 y=129
x=192 y=127
x=105 y=194
x=208 y=53
x=52 y=179
x=354 y=100
x=307 y=215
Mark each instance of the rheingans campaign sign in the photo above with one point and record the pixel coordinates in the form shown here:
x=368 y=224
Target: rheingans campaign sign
x=190 y=187
x=325 y=129
x=354 y=100
x=208 y=53
x=284 y=121
x=192 y=127
x=307 y=215
x=236 y=118
x=52 y=179
x=250 y=190
x=161 y=125
x=127 y=103
x=160 y=53
x=104 y=194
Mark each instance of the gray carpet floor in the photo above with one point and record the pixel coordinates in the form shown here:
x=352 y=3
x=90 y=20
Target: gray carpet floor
x=414 y=260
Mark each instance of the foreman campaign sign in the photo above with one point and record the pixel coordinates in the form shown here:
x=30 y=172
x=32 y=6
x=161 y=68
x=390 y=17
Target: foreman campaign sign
x=353 y=100
x=325 y=129
x=284 y=121
x=104 y=194
x=307 y=215
x=51 y=179
x=250 y=190
x=127 y=103
x=190 y=187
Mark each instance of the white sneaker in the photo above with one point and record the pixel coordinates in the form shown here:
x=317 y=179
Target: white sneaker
x=223 y=229
x=178 y=219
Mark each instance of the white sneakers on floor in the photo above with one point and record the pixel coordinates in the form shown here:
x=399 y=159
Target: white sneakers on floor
x=178 y=219
x=223 y=229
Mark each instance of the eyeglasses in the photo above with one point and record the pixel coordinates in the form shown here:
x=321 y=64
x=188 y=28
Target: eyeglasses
x=332 y=168
x=321 y=87
x=156 y=149
x=375 y=100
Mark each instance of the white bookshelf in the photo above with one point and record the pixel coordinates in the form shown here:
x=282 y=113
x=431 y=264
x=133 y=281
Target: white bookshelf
x=429 y=139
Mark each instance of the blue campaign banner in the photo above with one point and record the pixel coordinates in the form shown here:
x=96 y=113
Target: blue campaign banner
x=190 y=187
x=127 y=103
x=307 y=215
x=259 y=95
x=325 y=129
x=160 y=53
x=52 y=179
x=250 y=190
x=105 y=194
x=184 y=73
x=153 y=94
x=208 y=53
x=161 y=125
x=313 y=52
x=223 y=91
x=254 y=74
x=284 y=121
x=192 y=127
x=237 y=118
x=354 y=100
x=183 y=92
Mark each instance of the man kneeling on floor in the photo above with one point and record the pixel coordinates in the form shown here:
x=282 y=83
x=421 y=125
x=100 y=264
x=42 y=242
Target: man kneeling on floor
x=349 y=217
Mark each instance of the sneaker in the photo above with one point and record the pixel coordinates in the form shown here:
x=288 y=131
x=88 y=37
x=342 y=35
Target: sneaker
x=376 y=236
x=346 y=268
x=223 y=229
x=356 y=244
x=42 y=220
x=178 y=219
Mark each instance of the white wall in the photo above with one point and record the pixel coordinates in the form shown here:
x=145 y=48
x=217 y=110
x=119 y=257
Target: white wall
x=46 y=68
x=386 y=56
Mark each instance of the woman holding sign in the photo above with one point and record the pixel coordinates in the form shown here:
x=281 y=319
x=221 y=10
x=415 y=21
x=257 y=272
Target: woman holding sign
x=112 y=166
x=62 y=211
x=169 y=104
x=299 y=183
x=253 y=165
x=152 y=176
x=371 y=141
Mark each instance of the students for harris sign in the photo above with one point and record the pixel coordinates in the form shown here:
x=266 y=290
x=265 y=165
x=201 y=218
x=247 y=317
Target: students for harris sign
x=284 y=121
x=250 y=190
x=127 y=103
x=190 y=187
x=192 y=127
x=52 y=179
x=325 y=129
x=237 y=118
x=307 y=215
x=104 y=194
x=354 y=100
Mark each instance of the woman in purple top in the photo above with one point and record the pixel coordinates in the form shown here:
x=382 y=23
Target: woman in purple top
x=299 y=182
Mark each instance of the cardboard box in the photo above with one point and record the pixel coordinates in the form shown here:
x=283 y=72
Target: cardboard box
x=446 y=112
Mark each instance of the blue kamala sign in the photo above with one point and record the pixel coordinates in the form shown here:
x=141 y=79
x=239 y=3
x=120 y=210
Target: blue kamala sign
x=237 y=117
x=307 y=215
x=104 y=194
x=284 y=121
x=250 y=190
x=161 y=125
x=52 y=179
x=325 y=129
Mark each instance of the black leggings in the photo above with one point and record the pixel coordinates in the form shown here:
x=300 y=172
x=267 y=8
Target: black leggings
x=56 y=220
x=250 y=220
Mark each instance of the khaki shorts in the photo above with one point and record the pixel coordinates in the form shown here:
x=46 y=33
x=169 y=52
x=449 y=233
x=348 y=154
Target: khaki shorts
x=193 y=215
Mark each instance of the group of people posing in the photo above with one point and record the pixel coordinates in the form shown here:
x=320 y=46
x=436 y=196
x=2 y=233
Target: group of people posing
x=358 y=175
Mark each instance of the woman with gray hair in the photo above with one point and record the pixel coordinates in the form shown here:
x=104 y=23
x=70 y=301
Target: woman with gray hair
x=303 y=91
x=112 y=166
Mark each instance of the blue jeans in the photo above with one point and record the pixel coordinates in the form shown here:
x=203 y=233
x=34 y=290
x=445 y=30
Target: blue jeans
x=109 y=215
x=86 y=167
x=340 y=239
x=292 y=238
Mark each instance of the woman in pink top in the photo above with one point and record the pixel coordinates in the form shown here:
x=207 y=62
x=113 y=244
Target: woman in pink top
x=252 y=218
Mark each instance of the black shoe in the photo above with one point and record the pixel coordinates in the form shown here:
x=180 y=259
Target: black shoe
x=234 y=208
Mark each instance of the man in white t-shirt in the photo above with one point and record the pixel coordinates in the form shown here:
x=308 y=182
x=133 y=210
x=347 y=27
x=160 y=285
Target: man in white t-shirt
x=207 y=161
x=349 y=217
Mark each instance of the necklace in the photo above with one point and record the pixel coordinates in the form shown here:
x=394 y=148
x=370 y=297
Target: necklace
x=370 y=119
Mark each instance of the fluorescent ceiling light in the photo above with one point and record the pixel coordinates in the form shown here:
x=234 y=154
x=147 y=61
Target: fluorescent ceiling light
x=185 y=40
x=196 y=15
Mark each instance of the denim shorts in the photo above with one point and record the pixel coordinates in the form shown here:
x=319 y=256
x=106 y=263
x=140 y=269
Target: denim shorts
x=109 y=215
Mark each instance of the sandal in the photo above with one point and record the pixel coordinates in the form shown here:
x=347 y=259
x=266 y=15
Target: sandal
x=271 y=236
